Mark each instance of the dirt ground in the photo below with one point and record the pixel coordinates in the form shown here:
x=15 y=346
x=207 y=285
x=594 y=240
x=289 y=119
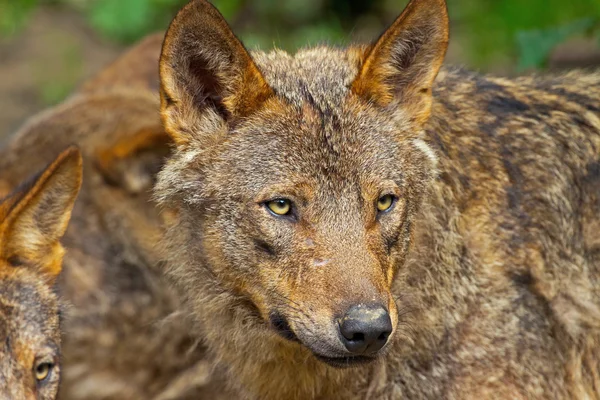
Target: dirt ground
x=45 y=61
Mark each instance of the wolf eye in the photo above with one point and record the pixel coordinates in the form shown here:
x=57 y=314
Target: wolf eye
x=42 y=371
x=385 y=203
x=279 y=206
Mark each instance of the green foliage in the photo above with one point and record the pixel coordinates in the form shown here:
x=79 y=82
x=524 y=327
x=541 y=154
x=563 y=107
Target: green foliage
x=535 y=45
x=496 y=27
x=13 y=13
x=521 y=33
x=127 y=21
x=120 y=20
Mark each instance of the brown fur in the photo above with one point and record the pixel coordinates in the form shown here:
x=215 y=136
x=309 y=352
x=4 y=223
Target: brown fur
x=123 y=338
x=488 y=262
x=32 y=220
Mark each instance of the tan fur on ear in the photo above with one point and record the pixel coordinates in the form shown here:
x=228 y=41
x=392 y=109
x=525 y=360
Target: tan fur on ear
x=134 y=159
x=204 y=65
x=401 y=66
x=4 y=189
x=35 y=216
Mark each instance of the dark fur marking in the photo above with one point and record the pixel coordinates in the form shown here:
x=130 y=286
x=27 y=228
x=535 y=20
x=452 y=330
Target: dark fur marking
x=485 y=85
x=21 y=191
x=405 y=59
x=391 y=241
x=308 y=97
x=16 y=261
x=208 y=95
x=513 y=196
x=543 y=109
x=465 y=181
x=265 y=247
x=593 y=171
x=402 y=231
x=168 y=99
x=578 y=98
x=503 y=105
x=531 y=299
x=448 y=105
x=523 y=278
x=438 y=144
x=515 y=177
x=592 y=180
x=7 y=309
x=282 y=327
x=578 y=120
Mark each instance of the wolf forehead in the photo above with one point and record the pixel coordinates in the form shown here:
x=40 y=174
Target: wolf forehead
x=316 y=82
x=29 y=303
x=316 y=86
x=321 y=75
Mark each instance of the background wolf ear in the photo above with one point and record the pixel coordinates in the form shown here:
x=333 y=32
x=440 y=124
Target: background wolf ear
x=38 y=213
x=134 y=159
x=203 y=66
x=136 y=69
x=400 y=67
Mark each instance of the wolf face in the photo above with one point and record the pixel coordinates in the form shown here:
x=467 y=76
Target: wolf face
x=32 y=220
x=296 y=178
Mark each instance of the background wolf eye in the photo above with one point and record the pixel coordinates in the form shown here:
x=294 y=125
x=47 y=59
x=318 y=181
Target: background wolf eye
x=280 y=206
x=385 y=203
x=42 y=371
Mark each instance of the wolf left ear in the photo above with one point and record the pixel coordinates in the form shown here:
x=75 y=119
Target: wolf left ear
x=400 y=67
x=204 y=66
x=36 y=215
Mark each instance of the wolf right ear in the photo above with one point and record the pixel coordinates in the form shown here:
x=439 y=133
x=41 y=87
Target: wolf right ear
x=204 y=66
x=35 y=216
x=400 y=67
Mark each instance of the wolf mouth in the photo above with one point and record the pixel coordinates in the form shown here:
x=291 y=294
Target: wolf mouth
x=345 y=362
x=281 y=326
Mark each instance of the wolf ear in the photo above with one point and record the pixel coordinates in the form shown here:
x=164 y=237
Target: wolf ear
x=136 y=69
x=134 y=159
x=400 y=67
x=37 y=214
x=204 y=66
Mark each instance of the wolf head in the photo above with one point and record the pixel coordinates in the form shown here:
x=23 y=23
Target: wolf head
x=32 y=220
x=296 y=178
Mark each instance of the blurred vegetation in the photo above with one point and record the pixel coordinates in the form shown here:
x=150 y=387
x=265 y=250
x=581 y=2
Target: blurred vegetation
x=524 y=32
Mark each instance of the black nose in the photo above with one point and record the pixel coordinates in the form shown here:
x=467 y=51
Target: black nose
x=365 y=329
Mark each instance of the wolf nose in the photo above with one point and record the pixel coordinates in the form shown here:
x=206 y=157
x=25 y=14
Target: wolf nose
x=365 y=329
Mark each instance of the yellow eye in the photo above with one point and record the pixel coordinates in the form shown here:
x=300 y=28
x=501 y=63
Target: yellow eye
x=384 y=203
x=280 y=206
x=43 y=370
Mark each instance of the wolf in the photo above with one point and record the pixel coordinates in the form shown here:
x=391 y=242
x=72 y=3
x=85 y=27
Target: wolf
x=122 y=334
x=363 y=222
x=33 y=219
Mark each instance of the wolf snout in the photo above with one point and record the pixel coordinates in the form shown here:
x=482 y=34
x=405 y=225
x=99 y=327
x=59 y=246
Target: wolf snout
x=365 y=329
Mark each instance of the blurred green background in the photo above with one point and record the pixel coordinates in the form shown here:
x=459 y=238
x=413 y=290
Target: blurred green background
x=48 y=46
